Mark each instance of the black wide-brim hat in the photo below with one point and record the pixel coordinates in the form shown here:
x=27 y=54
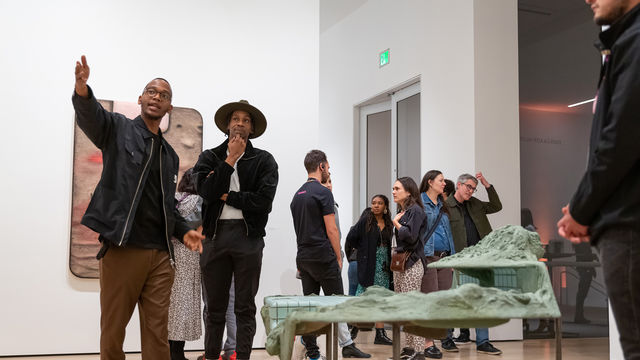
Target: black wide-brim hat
x=259 y=121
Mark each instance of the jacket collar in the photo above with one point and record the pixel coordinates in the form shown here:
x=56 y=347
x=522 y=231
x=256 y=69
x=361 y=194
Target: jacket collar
x=427 y=200
x=221 y=150
x=609 y=36
x=145 y=132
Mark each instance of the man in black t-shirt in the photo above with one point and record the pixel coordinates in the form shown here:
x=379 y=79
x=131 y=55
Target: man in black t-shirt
x=318 y=239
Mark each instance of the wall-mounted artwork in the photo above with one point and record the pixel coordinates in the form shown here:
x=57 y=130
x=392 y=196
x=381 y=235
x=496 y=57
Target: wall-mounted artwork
x=182 y=128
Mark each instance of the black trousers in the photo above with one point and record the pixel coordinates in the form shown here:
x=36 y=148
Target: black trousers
x=620 y=256
x=316 y=275
x=230 y=253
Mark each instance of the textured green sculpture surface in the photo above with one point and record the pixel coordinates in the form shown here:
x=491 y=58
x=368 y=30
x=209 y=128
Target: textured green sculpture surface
x=511 y=249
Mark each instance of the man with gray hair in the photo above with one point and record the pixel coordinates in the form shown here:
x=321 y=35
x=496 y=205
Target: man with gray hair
x=469 y=224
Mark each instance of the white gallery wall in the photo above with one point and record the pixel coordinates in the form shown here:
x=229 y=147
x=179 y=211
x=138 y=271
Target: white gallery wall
x=270 y=53
x=212 y=52
x=466 y=56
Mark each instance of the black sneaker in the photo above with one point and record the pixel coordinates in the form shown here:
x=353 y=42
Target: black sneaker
x=382 y=338
x=320 y=357
x=432 y=352
x=406 y=353
x=449 y=345
x=462 y=339
x=417 y=356
x=351 y=351
x=487 y=348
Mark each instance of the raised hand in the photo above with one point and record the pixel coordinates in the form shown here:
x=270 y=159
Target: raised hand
x=396 y=219
x=82 y=75
x=482 y=179
x=236 y=147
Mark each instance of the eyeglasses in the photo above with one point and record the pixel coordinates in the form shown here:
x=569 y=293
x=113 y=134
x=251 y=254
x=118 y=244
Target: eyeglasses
x=470 y=188
x=164 y=96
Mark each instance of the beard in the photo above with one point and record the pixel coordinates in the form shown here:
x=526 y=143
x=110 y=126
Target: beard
x=611 y=17
x=324 y=176
x=240 y=133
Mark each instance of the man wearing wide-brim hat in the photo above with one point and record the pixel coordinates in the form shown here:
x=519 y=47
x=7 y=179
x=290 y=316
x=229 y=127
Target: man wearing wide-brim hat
x=238 y=183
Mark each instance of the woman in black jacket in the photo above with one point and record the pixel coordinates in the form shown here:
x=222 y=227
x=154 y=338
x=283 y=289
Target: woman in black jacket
x=410 y=223
x=371 y=238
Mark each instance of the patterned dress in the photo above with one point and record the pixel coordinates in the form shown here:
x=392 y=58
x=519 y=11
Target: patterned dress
x=184 y=308
x=382 y=275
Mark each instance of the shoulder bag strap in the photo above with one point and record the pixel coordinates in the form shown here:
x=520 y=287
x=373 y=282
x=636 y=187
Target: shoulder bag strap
x=433 y=228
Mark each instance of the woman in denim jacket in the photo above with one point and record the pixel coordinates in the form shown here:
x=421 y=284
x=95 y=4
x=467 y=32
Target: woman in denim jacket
x=439 y=245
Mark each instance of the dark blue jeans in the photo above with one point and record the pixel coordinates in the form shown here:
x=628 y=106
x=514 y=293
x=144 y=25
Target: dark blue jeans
x=620 y=256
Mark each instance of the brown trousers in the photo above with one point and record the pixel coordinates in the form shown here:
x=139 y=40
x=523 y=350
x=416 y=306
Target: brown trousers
x=436 y=279
x=130 y=276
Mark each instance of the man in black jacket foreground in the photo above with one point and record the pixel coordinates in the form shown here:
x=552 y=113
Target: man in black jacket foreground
x=606 y=206
x=133 y=210
x=238 y=183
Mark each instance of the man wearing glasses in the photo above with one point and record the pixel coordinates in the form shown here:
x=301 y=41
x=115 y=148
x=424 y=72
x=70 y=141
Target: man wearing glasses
x=133 y=210
x=469 y=224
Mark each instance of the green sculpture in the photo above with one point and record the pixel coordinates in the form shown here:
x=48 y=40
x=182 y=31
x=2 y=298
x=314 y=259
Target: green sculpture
x=509 y=250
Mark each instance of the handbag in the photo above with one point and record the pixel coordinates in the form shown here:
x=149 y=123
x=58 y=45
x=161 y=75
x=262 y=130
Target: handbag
x=399 y=259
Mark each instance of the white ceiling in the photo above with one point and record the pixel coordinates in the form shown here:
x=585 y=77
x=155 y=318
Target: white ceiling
x=332 y=11
x=537 y=19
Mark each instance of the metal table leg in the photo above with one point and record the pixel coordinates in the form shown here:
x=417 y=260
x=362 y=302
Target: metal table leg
x=334 y=340
x=329 y=342
x=558 y=328
x=396 y=341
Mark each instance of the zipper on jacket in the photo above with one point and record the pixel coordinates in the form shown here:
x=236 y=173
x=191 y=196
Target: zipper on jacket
x=135 y=195
x=245 y=224
x=164 y=211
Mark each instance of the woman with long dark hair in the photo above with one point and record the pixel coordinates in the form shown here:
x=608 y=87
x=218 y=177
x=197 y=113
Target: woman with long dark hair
x=371 y=238
x=410 y=223
x=438 y=245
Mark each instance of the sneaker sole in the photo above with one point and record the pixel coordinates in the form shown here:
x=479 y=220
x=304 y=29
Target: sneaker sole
x=451 y=350
x=490 y=352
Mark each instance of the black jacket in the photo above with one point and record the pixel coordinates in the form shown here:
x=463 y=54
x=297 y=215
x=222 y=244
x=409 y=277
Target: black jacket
x=258 y=174
x=609 y=192
x=366 y=244
x=409 y=236
x=125 y=146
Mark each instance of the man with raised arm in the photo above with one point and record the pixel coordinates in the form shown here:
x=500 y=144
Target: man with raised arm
x=133 y=210
x=469 y=225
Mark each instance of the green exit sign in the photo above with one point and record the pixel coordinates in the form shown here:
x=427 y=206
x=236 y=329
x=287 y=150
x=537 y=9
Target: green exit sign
x=384 y=58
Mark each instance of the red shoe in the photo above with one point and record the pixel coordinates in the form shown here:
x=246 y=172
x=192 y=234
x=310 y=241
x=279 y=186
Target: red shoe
x=225 y=357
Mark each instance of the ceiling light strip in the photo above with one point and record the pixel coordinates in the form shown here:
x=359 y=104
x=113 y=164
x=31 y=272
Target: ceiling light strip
x=581 y=102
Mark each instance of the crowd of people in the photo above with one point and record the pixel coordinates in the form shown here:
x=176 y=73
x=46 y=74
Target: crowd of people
x=161 y=247
x=433 y=221
x=221 y=209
